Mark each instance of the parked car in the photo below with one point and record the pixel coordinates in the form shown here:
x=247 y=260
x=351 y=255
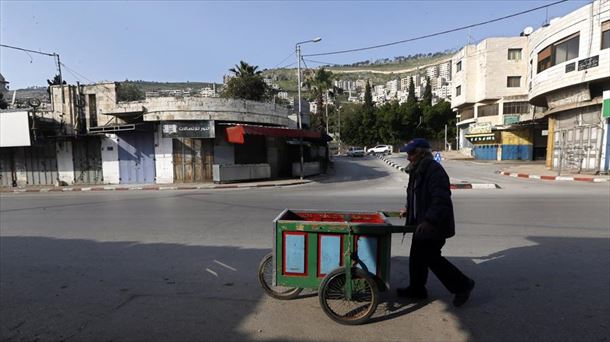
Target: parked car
x=380 y=149
x=355 y=152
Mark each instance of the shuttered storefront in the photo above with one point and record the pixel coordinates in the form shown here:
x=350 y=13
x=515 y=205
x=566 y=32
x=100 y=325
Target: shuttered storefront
x=136 y=157
x=577 y=139
x=87 y=161
x=193 y=159
x=7 y=167
x=40 y=164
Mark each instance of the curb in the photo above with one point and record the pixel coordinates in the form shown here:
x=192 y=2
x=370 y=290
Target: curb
x=157 y=187
x=555 y=178
x=457 y=186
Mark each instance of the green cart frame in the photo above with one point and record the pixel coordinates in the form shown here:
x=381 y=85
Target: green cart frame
x=345 y=255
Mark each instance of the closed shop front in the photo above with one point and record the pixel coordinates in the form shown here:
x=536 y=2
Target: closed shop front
x=40 y=164
x=577 y=139
x=87 y=160
x=136 y=157
x=193 y=159
x=192 y=149
x=7 y=167
x=517 y=145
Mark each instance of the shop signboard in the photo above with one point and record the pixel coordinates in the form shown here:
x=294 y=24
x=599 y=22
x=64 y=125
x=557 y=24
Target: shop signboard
x=188 y=129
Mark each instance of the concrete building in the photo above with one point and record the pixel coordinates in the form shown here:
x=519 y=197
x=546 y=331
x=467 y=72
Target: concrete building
x=90 y=138
x=444 y=70
x=569 y=72
x=490 y=90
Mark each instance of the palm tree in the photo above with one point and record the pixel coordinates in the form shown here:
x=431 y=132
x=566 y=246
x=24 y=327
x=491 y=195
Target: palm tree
x=245 y=69
x=247 y=83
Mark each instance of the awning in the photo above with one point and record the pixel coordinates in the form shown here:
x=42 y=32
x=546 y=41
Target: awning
x=236 y=133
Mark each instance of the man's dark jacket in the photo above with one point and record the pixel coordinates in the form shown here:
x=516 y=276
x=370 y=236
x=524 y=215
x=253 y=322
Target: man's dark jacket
x=429 y=199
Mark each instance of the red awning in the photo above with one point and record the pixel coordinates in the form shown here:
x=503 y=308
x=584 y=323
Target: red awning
x=235 y=134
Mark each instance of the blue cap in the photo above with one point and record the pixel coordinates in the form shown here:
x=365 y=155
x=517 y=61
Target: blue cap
x=413 y=144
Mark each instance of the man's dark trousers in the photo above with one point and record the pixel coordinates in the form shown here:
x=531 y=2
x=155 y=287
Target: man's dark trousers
x=426 y=253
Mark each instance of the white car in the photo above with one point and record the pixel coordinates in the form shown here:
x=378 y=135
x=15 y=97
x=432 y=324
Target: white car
x=380 y=149
x=355 y=152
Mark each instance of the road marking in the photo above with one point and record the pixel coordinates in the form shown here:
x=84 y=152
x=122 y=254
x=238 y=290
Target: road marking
x=482 y=260
x=225 y=265
x=212 y=272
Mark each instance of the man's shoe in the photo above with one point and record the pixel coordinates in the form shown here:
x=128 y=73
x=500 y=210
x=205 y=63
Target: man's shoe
x=462 y=297
x=410 y=293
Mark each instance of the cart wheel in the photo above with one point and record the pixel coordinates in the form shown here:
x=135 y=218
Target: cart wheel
x=265 y=277
x=364 y=300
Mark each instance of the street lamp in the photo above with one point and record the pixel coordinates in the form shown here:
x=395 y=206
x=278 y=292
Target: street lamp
x=299 y=116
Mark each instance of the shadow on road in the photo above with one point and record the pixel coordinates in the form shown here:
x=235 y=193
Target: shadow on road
x=56 y=289
x=554 y=290
x=59 y=289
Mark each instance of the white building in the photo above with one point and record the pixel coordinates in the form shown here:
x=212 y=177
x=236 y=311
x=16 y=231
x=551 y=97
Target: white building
x=489 y=83
x=444 y=70
x=570 y=70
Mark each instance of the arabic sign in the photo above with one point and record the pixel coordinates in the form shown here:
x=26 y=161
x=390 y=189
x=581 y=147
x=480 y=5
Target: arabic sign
x=587 y=63
x=479 y=127
x=188 y=129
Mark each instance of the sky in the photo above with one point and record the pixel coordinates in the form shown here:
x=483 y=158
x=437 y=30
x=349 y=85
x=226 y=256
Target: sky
x=179 y=41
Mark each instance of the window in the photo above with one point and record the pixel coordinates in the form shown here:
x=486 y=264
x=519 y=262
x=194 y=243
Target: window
x=487 y=110
x=513 y=81
x=514 y=54
x=458 y=90
x=458 y=66
x=606 y=34
x=566 y=50
x=516 y=107
x=559 y=52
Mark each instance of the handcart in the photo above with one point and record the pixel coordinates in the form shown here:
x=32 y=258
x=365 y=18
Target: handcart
x=343 y=255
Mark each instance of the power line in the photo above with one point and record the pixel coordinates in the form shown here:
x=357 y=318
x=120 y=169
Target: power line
x=283 y=60
x=324 y=63
x=28 y=50
x=437 y=33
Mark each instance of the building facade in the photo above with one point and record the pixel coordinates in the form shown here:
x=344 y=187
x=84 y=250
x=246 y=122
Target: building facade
x=569 y=70
x=490 y=92
x=90 y=138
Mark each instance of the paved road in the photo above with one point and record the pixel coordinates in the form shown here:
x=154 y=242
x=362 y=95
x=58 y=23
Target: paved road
x=181 y=265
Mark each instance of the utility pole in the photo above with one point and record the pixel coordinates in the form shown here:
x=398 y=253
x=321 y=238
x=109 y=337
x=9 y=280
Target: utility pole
x=54 y=55
x=299 y=116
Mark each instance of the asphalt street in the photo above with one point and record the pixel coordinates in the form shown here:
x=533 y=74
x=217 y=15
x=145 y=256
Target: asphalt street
x=182 y=265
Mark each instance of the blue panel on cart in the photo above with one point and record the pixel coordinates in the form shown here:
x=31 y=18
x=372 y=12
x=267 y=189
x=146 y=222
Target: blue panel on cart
x=295 y=253
x=367 y=253
x=330 y=253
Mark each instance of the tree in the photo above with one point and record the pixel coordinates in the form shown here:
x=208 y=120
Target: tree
x=368 y=97
x=129 y=92
x=411 y=95
x=55 y=81
x=427 y=98
x=245 y=69
x=319 y=83
x=247 y=84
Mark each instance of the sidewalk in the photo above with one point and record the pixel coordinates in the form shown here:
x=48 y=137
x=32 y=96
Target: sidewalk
x=539 y=171
x=132 y=187
x=520 y=169
x=530 y=169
